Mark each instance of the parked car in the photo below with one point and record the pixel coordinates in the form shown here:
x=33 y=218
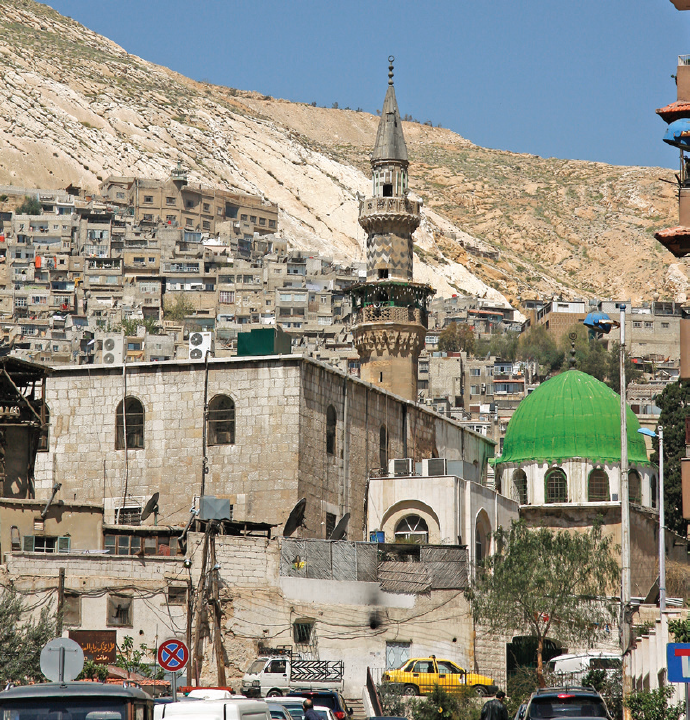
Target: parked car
x=227 y=709
x=419 y=675
x=325 y=713
x=292 y=704
x=574 y=703
x=278 y=675
x=576 y=666
x=326 y=698
x=278 y=711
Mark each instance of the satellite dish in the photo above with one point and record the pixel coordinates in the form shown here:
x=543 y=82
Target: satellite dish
x=296 y=518
x=151 y=506
x=62 y=660
x=339 y=530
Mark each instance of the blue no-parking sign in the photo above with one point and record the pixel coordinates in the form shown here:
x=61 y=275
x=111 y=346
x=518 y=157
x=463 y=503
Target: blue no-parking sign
x=678 y=662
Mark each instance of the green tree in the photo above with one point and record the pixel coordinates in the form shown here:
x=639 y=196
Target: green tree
x=552 y=584
x=30 y=206
x=609 y=684
x=613 y=376
x=138 y=660
x=93 y=671
x=22 y=638
x=179 y=309
x=538 y=346
x=653 y=705
x=438 y=705
x=505 y=345
x=674 y=402
x=680 y=630
x=456 y=338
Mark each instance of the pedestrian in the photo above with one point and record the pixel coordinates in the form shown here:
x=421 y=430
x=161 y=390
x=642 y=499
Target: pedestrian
x=311 y=714
x=495 y=709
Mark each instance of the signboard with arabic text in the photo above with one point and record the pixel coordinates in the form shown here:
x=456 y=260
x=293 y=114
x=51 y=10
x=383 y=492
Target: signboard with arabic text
x=99 y=646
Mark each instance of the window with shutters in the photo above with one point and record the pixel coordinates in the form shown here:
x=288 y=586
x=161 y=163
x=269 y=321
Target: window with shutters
x=46 y=544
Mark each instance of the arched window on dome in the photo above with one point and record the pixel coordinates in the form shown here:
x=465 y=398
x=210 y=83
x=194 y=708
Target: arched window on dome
x=598 y=486
x=412 y=529
x=520 y=487
x=635 y=487
x=654 y=491
x=556 y=486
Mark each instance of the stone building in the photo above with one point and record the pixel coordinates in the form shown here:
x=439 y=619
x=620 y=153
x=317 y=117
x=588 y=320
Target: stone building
x=279 y=428
x=391 y=312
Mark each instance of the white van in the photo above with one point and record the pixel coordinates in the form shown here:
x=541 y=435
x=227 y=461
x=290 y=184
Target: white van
x=576 y=666
x=231 y=709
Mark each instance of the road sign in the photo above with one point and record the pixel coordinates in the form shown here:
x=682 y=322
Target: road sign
x=678 y=662
x=62 y=660
x=172 y=655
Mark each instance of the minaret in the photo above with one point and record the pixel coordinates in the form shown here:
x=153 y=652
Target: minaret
x=390 y=310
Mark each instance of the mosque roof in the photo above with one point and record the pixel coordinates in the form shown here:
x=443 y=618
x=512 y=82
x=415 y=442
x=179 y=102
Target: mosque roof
x=572 y=415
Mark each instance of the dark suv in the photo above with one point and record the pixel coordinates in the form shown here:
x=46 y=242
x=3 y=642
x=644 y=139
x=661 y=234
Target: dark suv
x=326 y=698
x=566 y=702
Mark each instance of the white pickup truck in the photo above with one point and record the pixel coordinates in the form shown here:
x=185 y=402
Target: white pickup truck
x=276 y=676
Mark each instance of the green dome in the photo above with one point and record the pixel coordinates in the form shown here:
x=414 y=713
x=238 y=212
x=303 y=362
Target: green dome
x=572 y=415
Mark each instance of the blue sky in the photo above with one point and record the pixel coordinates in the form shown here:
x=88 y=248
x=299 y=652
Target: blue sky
x=577 y=79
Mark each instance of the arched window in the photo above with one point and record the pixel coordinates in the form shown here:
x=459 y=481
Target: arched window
x=221 y=421
x=520 y=487
x=556 y=486
x=635 y=487
x=654 y=491
x=134 y=421
x=598 y=487
x=331 y=419
x=412 y=529
x=383 y=447
x=44 y=435
x=498 y=482
x=482 y=537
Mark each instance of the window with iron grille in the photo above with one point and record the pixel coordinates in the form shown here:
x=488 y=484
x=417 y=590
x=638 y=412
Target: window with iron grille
x=134 y=421
x=119 y=611
x=634 y=487
x=177 y=595
x=221 y=421
x=556 y=486
x=598 y=490
x=302 y=632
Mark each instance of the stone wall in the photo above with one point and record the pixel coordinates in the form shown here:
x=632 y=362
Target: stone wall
x=279 y=453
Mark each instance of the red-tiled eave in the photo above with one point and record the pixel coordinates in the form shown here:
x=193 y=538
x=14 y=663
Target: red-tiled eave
x=675 y=240
x=674 y=111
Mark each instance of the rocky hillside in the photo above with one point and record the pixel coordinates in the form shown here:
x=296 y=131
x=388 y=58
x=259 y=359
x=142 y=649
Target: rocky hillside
x=75 y=108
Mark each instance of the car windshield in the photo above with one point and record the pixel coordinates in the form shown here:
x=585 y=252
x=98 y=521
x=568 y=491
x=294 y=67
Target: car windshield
x=256 y=667
x=64 y=709
x=567 y=706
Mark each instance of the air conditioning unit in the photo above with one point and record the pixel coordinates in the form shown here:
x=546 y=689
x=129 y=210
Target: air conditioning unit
x=113 y=350
x=199 y=344
x=434 y=467
x=400 y=467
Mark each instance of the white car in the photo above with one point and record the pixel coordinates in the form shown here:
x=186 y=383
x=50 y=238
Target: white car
x=325 y=712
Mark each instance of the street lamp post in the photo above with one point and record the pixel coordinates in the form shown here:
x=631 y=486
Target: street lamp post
x=662 y=530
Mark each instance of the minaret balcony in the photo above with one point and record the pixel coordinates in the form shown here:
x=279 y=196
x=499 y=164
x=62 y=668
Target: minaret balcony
x=390 y=313
x=374 y=211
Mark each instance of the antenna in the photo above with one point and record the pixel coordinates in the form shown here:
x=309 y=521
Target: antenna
x=296 y=518
x=151 y=506
x=339 y=530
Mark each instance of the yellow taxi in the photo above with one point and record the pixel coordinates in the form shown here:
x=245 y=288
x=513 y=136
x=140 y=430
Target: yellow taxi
x=419 y=675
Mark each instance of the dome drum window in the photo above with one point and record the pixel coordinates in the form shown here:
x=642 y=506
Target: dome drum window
x=520 y=487
x=556 y=490
x=598 y=486
x=634 y=487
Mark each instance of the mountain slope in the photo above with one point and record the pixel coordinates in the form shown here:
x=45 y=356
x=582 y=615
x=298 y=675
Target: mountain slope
x=75 y=107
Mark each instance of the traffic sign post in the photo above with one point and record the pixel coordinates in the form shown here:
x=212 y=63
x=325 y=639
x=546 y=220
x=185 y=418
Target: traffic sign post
x=678 y=666
x=173 y=655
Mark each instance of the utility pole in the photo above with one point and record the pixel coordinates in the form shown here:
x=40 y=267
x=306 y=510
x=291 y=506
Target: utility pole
x=60 y=601
x=625 y=523
x=217 y=617
x=199 y=600
x=662 y=524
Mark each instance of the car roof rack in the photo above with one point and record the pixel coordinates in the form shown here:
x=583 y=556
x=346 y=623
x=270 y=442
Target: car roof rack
x=565 y=688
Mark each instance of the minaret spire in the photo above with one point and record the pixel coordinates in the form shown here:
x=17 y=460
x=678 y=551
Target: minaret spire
x=391 y=311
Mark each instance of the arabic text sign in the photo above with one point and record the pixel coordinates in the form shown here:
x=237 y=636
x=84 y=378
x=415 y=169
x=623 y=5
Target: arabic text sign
x=100 y=646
